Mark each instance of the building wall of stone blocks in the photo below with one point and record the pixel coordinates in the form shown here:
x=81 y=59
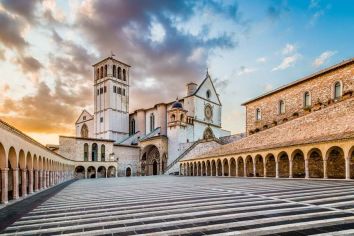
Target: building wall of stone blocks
x=128 y=158
x=321 y=90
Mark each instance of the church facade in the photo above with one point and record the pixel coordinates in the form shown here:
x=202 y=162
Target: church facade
x=111 y=141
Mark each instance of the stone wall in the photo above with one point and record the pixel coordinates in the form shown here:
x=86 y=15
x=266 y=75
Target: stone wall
x=128 y=158
x=320 y=87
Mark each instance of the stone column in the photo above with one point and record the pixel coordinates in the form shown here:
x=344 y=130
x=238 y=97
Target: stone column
x=30 y=182
x=347 y=168
x=4 y=185
x=197 y=170
x=15 y=183
x=307 y=169
x=44 y=179
x=276 y=169
x=24 y=183
x=325 y=174
x=106 y=173
x=254 y=168
x=244 y=169
x=36 y=178
x=265 y=170
x=237 y=168
x=85 y=174
x=117 y=173
x=96 y=174
x=229 y=168
x=222 y=169
x=290 y=168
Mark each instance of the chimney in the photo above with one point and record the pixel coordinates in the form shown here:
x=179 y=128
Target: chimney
x=191 y=88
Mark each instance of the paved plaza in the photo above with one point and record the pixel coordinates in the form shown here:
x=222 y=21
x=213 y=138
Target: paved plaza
x=168 y=205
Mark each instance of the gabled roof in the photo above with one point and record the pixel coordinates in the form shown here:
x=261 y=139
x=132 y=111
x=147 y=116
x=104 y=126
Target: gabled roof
x=311 y=76
x=83 y=111
x=112 y=58
x=202 y=83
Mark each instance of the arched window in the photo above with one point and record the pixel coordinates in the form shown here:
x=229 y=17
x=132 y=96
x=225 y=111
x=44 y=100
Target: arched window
x=124 y=75
x=103 y=152
x=101 y=72
x=182 y=117
x=173 y=118
x=86 y=152
x=105 y=70
x=281 y=107
x=119 y=73
x=84 y=131
x=208 y=133
x=208 y=94
x=94 y=152
x=119 y=90
x=258 y=114
x=114 y=71
x=307 y=99
x=152 y=122
x=337 y=90
x=132 y=126
x=98 y=73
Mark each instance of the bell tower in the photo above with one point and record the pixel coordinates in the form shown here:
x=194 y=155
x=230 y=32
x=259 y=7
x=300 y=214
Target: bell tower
x=111 y=99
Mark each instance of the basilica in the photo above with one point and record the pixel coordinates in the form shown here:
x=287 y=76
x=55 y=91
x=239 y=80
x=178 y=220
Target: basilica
x=112 y=141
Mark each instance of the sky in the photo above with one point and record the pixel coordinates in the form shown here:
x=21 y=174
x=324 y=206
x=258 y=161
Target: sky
x=48 y=47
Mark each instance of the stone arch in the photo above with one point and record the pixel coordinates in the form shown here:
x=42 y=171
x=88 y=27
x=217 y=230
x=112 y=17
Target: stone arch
x=226 y=167
x=29 y=169
x=101 y=172
x=259 y=166
x=298 y=164
x=283 y=165
x=128 y=172
x=79 y=172
x=208 y=133
x=208 y=168
x=213 y=168
x=200 y=171
x=195 y=169
x=232 y=164
x=315 y=163
x=335 y=163
x=204 y=172
x=270 y=165
x=3 y=157
x=219 y=167
x=86 y=151
x=240 y=167
x=91 y=172
x=249 y=166
x=351 y=163
x=111 y=172
x=12 y=174
x=151 y=160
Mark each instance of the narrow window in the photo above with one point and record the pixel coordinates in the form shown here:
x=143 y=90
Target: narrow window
x=105 y=70
x=307 y=99
x=98 y=92
x=119 y=73
x=103 y=152
x=84 y=117
x=337 y=90
x=123 y=92
x=152 y=122
x=98 y=73
x=114 y=89
x=114 y=71
x=101 y=90
x=101 y=72
x=281 y=107
x=133 y=126
x=101 y=119
x=119 y=90
x=124 y=75
x=208 y=94
x=86 y=152
x=258 y=114
x=105 y=89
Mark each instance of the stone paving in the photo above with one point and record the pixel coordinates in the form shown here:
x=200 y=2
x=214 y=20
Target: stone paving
x=169 y=205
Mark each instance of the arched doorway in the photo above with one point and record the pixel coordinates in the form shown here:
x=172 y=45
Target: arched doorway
x=315 y=163
x=219 y=168
x=128 y=172
x=203 y=169
x=283 y=165
x=249 y=166
x=351 y=163
x=232 y=167
x=101 y=172
x=270 y=165
x=79 y=172
x=154 y=168
x=91 y=172
x=259 y=166
x=208 y=168
x=335 y=163
x=213 y=168
x=240 y=167
x=226 y=167
x=298 y=164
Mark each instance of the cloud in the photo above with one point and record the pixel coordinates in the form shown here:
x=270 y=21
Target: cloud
x=245 y=70
x=288 y=49
x=323 y=58
x=314 y=4
x=274 y=12
x=11 y=29
x=287 y=62
x=29 y=64
x=23 y=8
x=221 y=85
x=262 y=59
